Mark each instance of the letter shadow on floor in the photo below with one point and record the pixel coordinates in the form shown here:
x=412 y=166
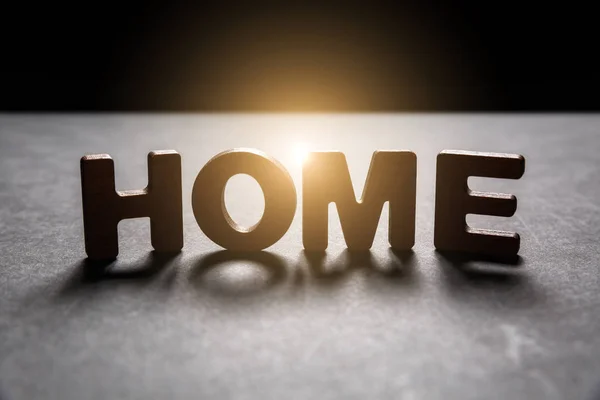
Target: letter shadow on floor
x=398 y=267
x=497 y=265
x=149 y=268
x=487 y=279
x=235 y=274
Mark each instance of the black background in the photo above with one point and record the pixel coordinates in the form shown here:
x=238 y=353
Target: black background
x=280 y=56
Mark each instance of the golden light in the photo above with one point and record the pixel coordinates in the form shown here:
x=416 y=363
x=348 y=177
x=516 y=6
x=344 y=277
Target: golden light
x=301 y=152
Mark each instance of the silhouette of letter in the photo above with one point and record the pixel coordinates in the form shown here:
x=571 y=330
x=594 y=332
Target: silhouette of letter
x=209 y=205
x=325 y=179
x=454 y=199
x=104 y=207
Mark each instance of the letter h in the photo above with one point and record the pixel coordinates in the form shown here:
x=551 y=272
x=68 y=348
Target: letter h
x=104 y=207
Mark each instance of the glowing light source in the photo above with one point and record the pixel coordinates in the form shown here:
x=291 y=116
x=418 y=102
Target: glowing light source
x=300 y=151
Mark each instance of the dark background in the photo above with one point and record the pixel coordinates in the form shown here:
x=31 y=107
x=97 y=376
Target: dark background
x=258 y=56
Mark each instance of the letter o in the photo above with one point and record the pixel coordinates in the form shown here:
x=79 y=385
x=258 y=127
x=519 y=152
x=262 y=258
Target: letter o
x=208 y=200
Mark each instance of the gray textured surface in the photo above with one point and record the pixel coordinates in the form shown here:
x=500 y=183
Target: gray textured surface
x=196 y=326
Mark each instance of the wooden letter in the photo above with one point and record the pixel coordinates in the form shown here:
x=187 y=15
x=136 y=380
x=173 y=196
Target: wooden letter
x=454 y=199
x=392 y=177
x=210 y=210
x=104 y=207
